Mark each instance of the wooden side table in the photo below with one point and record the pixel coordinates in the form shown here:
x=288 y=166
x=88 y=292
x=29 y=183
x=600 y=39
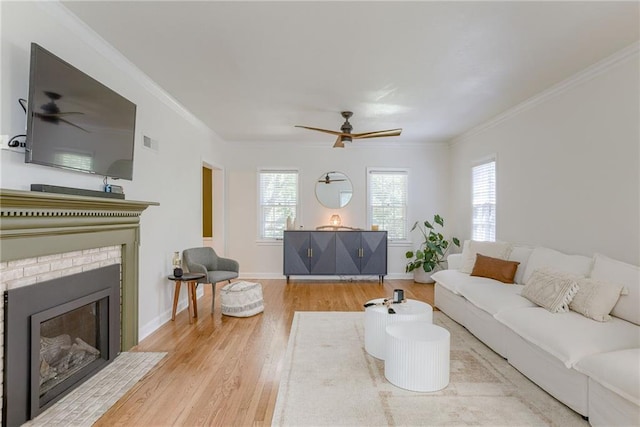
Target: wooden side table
x=190 y=279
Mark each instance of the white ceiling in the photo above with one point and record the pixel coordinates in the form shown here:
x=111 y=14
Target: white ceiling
x=252 y=70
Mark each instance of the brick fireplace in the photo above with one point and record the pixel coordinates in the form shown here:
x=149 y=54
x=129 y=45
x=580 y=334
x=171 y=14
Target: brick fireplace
x=51 y=236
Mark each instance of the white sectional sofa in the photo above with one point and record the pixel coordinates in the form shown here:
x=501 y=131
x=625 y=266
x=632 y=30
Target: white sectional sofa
x=593 y=367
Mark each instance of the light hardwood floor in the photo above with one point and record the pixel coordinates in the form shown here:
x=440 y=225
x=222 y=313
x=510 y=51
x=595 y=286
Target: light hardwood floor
x=225 y=371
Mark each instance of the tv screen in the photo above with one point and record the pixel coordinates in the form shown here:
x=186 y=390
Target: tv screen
x=75 y=122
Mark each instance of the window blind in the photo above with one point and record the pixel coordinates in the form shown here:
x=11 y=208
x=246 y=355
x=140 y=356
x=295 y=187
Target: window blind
x=484 y=201
x=388 y=202
x=278 y=200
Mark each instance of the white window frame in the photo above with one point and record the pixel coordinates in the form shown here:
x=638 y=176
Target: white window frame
x=404 y=171
x=481 y=162
x=260 y=216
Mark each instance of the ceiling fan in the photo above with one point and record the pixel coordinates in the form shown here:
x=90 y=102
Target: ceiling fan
x=52 y=113
x=328 y=180
x=346 y=136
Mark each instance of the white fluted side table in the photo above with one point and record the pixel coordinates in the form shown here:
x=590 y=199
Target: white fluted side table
x=376 y=319
x=417 y=356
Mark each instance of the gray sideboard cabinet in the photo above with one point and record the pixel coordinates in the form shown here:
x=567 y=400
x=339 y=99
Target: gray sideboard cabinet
x=335 y=253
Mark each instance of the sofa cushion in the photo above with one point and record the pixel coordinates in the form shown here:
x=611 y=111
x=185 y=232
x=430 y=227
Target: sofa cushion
x=549 y=258
x=454 y=261
x=570 y=336
x=494 y=296
x=551 y=290
x=472 y=247
x=595 y=299
x=520 y=254
x=613 y=271
x=495 y=268
x=618 y=371
x=452 y=279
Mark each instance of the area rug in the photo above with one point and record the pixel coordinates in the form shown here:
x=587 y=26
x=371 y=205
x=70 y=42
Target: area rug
x=329 y=379
x=84 y=405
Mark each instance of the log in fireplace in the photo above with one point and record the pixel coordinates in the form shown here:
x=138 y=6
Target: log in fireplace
x=58 y=333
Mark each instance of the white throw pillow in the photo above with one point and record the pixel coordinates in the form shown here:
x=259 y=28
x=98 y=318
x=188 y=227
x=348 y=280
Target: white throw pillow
x=577 y=265
x=613 y=271
x=520 y=254
x=470 y=248
x=595 y=299
x=550 y=289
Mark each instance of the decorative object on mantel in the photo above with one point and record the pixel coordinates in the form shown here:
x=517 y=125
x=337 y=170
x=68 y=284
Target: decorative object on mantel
x=431 y=253
x=335 y=220
x=177 y=265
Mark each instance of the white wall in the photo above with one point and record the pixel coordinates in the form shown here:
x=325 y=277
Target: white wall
x=171 y=176
x=568 y=165
x=428 y=165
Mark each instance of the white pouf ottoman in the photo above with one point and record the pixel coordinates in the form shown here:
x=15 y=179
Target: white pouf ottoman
x=241 y=299
x=417 y=356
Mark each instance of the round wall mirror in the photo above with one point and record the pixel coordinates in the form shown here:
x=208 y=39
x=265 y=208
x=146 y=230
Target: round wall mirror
x=334 y=190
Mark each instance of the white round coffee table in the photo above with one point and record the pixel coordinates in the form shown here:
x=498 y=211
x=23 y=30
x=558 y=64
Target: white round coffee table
x=376 y=319
x=417 y=356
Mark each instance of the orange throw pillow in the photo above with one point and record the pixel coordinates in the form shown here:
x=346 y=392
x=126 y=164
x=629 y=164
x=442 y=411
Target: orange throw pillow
x=495 y=268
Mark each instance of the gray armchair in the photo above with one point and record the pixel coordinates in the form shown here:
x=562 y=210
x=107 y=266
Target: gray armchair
x=216 y=269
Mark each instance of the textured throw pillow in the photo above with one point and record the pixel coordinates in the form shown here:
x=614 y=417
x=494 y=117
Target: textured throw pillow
x=470 y=248
x=596 y=299
x=551 y=290
x=495 y=268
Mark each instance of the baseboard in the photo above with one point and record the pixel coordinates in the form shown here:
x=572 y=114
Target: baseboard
x=154 y=324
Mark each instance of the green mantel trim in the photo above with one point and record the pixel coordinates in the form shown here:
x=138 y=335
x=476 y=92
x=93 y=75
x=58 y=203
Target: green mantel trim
x=35 y=224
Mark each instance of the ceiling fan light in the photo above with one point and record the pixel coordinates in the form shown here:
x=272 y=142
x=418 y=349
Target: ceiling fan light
x=347 y=139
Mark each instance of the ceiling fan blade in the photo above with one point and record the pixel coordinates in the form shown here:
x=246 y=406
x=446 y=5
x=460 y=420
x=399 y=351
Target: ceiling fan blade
x=339 y=143
x=332 y=132
x=377 y=134
x=74 y=125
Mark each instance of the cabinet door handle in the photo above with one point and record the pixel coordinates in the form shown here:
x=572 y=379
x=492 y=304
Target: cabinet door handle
x=310 y=252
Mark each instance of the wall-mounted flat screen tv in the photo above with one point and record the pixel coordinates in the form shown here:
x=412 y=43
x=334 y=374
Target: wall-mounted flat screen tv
x=75 y=122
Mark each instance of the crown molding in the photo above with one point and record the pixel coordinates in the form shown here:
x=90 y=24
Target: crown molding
x=577 y=79
x=110 y=53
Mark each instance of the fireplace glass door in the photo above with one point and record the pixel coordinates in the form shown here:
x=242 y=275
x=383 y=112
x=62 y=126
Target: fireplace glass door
x=68 y=343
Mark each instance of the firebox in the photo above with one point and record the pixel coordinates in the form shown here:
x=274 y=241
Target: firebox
x=58 y=334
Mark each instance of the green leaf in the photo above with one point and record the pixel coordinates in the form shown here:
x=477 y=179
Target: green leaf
x=409 y=254
x=438 y=220
x=414 y=226
x=428 y=225
x=456 y=241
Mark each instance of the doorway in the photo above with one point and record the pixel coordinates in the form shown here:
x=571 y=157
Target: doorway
x=213 y=207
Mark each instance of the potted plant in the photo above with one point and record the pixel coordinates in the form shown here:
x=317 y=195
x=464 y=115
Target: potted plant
x=432 y=251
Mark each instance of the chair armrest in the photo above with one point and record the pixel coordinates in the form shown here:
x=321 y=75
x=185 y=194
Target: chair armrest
x=228 y=264
x=198 y=268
